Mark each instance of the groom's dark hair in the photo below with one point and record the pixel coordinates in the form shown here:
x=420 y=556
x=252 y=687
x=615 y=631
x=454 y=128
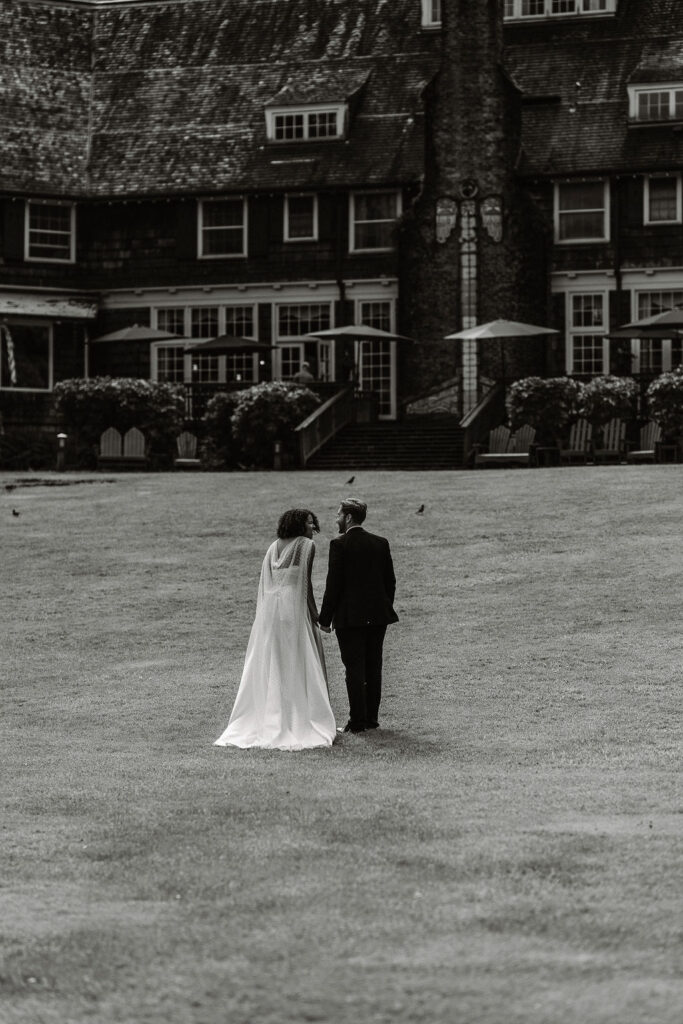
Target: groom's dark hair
x=293 y=523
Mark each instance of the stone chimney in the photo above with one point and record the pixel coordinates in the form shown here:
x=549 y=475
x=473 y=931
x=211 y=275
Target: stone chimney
x=472 y=247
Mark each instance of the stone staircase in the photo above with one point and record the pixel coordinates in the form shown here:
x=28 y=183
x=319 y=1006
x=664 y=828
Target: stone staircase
x=418 y=442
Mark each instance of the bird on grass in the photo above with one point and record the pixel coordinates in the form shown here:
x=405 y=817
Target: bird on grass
x=351 y=479
x=420 y=511
x=15 y=513
x=10 y=487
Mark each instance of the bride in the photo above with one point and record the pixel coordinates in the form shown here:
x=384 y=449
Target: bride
x=282 y=701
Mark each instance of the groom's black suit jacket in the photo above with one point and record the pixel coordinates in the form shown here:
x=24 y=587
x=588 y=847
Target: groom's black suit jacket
x=361 y=584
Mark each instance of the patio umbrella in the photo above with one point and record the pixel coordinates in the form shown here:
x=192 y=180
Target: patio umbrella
x=500 y=329
x=138 y=332
x=228 y=344
x=660 y=325
x=357 y=333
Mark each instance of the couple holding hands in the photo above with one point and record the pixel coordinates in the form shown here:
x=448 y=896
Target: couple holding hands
x=283 y=701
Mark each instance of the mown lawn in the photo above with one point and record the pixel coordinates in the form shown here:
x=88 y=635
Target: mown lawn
x=506 y=850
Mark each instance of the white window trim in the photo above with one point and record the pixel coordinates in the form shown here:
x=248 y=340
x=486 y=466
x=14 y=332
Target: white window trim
x=580 y=12
x=393 y=347
x=340 y=109
x=222 y=307
x=200 y=229
x=27 y=231
x=50 y=358
x=352 y=217
x=572 y=332
x=605 y=217
x=428 y=18
x=292 y=338
x=300 y=238
x=635 y=91
x=646 y=200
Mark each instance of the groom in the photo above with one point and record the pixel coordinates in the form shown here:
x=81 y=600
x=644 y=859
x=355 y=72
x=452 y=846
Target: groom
x=358 y=602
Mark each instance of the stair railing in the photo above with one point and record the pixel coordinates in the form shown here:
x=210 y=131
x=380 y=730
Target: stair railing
x=489 y=412
x=323 y=423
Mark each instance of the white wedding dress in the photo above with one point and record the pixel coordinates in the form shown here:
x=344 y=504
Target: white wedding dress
x=282 y=701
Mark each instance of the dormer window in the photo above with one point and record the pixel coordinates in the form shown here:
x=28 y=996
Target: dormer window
x=656 y=103
x=431 y=13
x=292 y=124
x=522 y=10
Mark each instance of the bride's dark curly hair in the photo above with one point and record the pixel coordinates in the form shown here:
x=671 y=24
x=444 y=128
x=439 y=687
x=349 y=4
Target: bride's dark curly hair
x=293 y=523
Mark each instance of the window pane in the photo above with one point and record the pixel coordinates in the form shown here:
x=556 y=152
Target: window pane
x=223 y=242
x=223 y=213
x=376 y=314
x=563 y=6
x=49 y=231
x=663 y=199
x=239 y=321
x=584 y=195
x=204 y=368
x=530 y=8
x=25 y=356
x=170 y=363
x=587 y=354
x=653 y=106
x=650 y=303
x=322 y=124
x=293 y=321
x=587 y=311
x=300 y=216
x=240 y=368
x=375 y=206
x=204 y=322
x=172 y=320
x=289 y=126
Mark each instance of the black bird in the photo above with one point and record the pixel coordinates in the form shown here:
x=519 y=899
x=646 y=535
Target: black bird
x=420 y=511
x=351 y=479
x=10 y=487
x=15 y=513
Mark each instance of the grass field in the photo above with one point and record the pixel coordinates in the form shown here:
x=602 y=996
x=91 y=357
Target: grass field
x=505 y=850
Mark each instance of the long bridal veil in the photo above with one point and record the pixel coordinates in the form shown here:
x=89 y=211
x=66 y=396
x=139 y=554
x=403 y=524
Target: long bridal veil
x=282 y=699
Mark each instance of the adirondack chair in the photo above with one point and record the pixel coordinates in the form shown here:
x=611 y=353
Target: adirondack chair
x=650 y=435
x=506 y=449
x=613 y=442
x=187 y=451
x=125 y=452
x=580 y=443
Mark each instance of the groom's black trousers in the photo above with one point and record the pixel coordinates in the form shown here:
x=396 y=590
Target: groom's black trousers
x=361 y=652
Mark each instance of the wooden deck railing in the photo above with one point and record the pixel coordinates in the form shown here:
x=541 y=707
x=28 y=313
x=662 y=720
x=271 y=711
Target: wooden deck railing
x=488 y=413
x=323 y=423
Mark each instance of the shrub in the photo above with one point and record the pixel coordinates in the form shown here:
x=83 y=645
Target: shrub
x=548 y=404
x=267 y=413
x=219 y=450
x=607 y=398
x=27 y=448
x=665 y=402
x=88 y=407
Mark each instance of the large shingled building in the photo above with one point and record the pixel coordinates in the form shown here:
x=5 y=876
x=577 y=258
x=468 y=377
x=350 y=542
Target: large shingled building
x=272 y=168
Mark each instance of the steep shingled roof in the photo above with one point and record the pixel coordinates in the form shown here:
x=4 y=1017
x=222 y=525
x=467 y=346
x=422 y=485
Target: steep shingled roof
x=146 y=99
x=158 y=97
x=586 y=129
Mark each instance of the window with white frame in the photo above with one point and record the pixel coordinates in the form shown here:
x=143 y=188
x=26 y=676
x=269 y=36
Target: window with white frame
x=431 y=13
x=372 y=220
x=50 y=234
x=662 y=199
x=172 y=319
x=294 y=320
x=656 y=103
x=301 y=124
x=26 y=356
x=657 y=355
x=588 y=345
x=301 y=218
x=169 y=362
x=222 y=228
x=582 y=211
x=518 y=10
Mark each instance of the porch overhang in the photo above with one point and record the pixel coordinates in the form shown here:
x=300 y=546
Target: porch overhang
x=52 y=307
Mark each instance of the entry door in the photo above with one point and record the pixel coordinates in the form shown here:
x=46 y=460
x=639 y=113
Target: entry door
x=377 y=373
x=325 y=360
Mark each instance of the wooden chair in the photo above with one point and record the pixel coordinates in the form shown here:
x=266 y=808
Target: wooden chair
x=506 y=449
x=613 y=442
x=187 y=451
x=580 y=443
x=127 y=452
x=650 y=435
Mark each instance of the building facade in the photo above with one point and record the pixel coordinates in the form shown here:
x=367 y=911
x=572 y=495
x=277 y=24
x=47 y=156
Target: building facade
x=270 y=169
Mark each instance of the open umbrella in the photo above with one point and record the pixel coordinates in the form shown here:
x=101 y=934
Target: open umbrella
x=500 y=329
x=227 y=344
x=138 y=332
x=661 y=325
x=357 y=333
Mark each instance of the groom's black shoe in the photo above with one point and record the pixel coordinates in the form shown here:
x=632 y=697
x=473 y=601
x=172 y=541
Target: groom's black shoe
x=372 y=725
x=353 y=728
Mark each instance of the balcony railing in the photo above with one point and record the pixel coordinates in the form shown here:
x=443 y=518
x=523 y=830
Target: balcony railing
x=324 y=422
